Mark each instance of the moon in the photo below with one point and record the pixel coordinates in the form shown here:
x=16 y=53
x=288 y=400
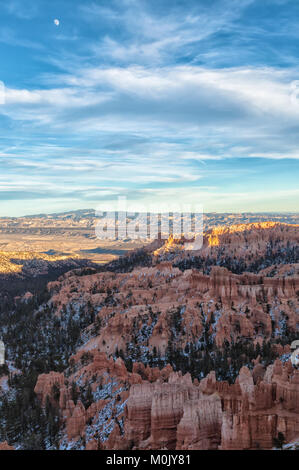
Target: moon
x=56 y=22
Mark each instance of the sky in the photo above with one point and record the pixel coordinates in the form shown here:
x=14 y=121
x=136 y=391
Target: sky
x=156 y=100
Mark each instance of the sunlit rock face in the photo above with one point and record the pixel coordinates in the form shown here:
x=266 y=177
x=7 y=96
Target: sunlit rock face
x=27 y=263
x=242 y=240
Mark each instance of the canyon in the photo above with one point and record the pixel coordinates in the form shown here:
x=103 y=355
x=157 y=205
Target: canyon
x=173 y=349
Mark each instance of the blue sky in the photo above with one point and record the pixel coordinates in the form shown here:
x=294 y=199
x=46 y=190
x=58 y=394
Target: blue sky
x=196 y=101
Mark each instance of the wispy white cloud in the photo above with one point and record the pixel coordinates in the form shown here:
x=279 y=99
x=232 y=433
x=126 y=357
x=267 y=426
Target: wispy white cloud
x=153 y=100
x=149 y=36
x=139 y=98
x=9 y=37
x=24 y=9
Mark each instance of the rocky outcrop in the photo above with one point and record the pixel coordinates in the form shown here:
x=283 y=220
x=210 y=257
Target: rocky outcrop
x=76 y=423
x=6 y=446
x=45 y=384
x=200 y=426
x=141 y=305
x=110 y=397
x=180 y=414
x=97 y=415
